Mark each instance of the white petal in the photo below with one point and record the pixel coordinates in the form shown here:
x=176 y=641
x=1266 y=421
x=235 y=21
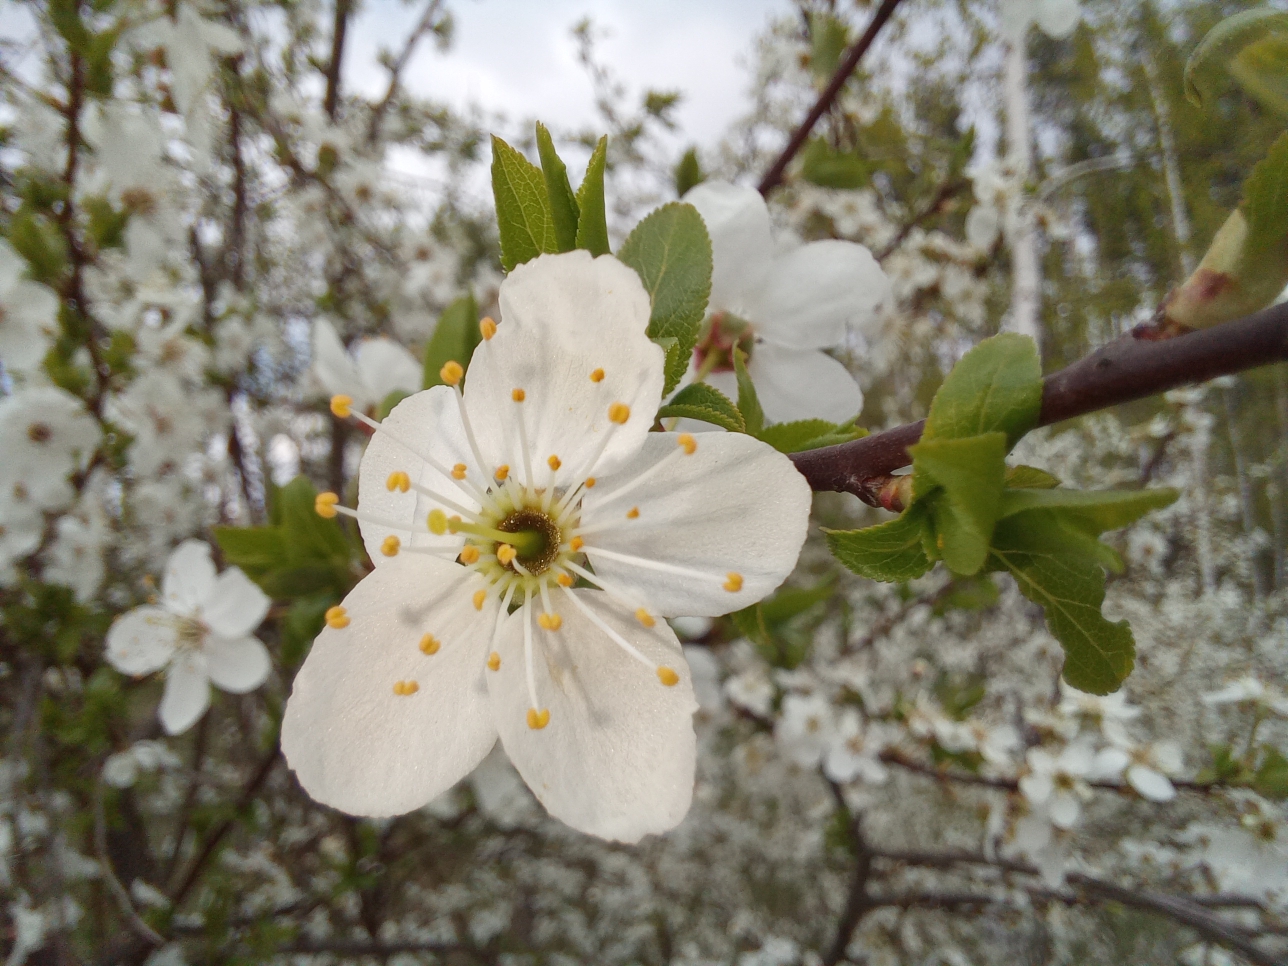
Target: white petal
x=734 y=506
x=142 y=640
x=1109 y=764
x=333 y=367
x=815 y=291
x=1057 y=18
x=356 y=745
x=983 y=225
x=430 y=421
x=384 y=366
x=1065 y=810
x=235 y=606
x=742 y=250
x=1037 y=787
x=237 y=665
x=1014 y=17
x=189 y=577
x=1169 y=757
x=618 y=755
x=187 y=693
x=803 y=384
x=1150 y=784
x=574 y=316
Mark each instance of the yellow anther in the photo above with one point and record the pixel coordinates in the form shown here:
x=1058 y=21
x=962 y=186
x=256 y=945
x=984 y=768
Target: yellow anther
x=390 y=546
x=324 y=505
x=518 y=395
x=734 y=583
x=633 y=513
x=458 y=471
x=469 y=555
x=619 y=413
x=506 y=554
x=668 y=676
x=576 y=543
x=437 y=522
x=398 y=480
x=590 y=482
x=689 y=444
x=342 y=406
x=405 y=688
x=644 y=617
x=502 y=472
x=494 y=661
x=554 y=462
x=597 y=375
x=429 y=644
x=551 y=622
x=337 y=617
x=479 y=597
x=564 y=580
x=538 y=719
x=451 y=373
x=487 y=328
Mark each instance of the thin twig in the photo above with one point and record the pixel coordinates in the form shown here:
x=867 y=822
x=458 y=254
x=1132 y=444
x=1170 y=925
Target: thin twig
x=114 y=886
x=331 y=103
x=774 y=176
x=857 y=901
x=947 y=190
x=425 y=25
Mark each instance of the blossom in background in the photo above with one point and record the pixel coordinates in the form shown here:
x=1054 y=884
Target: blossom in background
x=483 y=509
x=1055 y=18
x=855 y=751
x=1146 y=767
x=805 y=728
x=783 y=308
x=1057 y=784
x=191 y=44
x=375 y=368
x=1109 y=712
x=28 y=316
x=1248 y=691
x=200 y=633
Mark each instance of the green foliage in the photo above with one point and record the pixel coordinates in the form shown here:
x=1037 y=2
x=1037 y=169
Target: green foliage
x=592 y=223
x=1271 y=778
x=969 y=472
x=563 y=206
x=1252 y=47
x=1029 y=478
x=671 y=252
x=996 y=387
x=777 y=626
x=106 y=224
x=969 y=593
x=892 y=552
x=688 y=172
x=46 y=619
x=454 y=340
x=748 y=401
x=1263 y=769
x=1094 y=511
x=807 y=434
x=1265 y=201
x=823 y=166
x=524 y=218
x=299 y=555
x=38 y=240
x=828 y=37
x=706 y=403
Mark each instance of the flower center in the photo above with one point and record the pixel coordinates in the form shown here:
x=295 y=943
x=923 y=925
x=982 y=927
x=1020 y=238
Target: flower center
x=724 y=333
x=536 y=539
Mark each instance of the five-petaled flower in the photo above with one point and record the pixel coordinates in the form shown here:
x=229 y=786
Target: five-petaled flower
x=201 y=634
x=529 y=535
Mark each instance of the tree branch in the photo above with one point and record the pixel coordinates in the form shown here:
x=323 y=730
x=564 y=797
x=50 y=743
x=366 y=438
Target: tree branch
x=331 y=103
x=423 y=27
x=1124 y=370
x=774 y=176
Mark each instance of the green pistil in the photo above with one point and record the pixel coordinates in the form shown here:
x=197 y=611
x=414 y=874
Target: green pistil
x=527 y=543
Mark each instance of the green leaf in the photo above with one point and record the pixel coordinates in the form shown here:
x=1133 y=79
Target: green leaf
x=304 y=621
x=524 y=220
x=688 y=172
x=1262 y=70
x=748 y=401
x=563 y=206
x=1070 y=588
x=1029 y=478
x=970 y=593
x=806 y=434
x=828 y=37
x=309 y=538
x=1271 y=779
x=454 y=340
x=970 y=472
x=891 y=552
x=37 y=240
x=1265 y=201
x=750 y=622
x=793 y=601
x=1225 y=768
x=389 y=402
x=996 y=387
x=1223 y=44
x=255 y=550
x=826 y=168
x=1093 y=510
x=700 y=401
x=671 y=253
x=592 y=222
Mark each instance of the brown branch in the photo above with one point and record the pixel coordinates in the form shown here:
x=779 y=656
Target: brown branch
x=425 y=25
x=331 y=103
x=1122 y=371
x=857 y=901
x=774 y=176
x=946 y=191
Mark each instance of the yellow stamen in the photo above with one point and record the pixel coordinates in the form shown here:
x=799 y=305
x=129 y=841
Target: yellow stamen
x=487 y=328
x=469 y=555
x=518 y=395
x=494 y=661
x=391 y=546
x=564 y=580
x=668 y=676
x=619 y=413
x=437 y=522
x=342 y=406
x=554 y=462
x=398 y=480
x=597 y=375
x=506 y=554
x=688 y=442
x=458 y=471
x=644 y=617
x=575 y=544
x=538 y=719
x=429 y=644
x=633 y=513
x=337 y=617
x=451 y=372
x=551 y=622
x=324 y=505
x=734 y=583
x=502 y=472
x=404 y=688
x=479 y=597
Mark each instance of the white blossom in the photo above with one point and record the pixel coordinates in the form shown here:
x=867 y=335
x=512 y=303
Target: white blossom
x=376 y=367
